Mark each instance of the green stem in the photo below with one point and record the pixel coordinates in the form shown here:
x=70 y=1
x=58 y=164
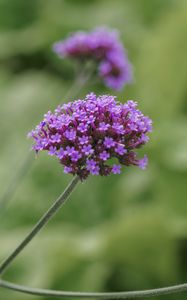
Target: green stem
x=22 y=171
x=115 y=295
x=41 y=223
x=81 y=79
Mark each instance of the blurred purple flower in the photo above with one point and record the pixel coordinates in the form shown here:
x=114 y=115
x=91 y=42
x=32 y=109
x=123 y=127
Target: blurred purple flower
x=103 y=46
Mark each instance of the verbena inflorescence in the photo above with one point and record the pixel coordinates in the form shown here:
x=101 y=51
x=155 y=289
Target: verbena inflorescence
x=104 y=47
x=87 y=136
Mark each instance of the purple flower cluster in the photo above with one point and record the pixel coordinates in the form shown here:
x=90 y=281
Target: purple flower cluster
x=94 y=136
x=104 y=47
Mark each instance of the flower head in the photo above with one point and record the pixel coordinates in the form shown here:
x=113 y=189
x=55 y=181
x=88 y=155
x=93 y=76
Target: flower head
x=103 y=46
x=84 y=147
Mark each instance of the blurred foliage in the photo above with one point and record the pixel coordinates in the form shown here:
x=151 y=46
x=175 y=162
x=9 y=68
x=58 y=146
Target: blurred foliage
x=118 y=233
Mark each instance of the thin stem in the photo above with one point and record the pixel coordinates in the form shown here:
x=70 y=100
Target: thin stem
x=81 y=79
x=41 y=223
x=22 y=171
x=115 y=295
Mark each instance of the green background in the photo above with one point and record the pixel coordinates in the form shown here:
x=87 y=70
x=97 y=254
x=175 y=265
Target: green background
x=123 y=232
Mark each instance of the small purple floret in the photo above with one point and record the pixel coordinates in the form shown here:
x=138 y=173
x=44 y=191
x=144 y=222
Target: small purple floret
x=52 y=151
x=68 y=170
x=75 y=156
x=103 y=126
x=109 y=142
x=116 y=169
x=120 y=149
x=61 y=153
x=143 y=163
x=83 y=139
x=104 y=155
x=95 y=170
x=70 y=134
x=87 y=149
x=56 y=138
